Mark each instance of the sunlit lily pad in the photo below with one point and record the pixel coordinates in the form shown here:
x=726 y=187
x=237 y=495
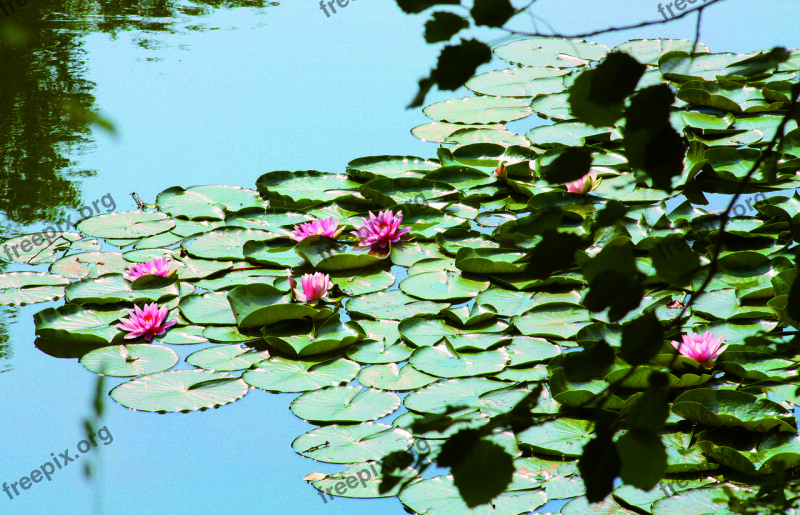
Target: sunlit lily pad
x=344 y=404
x=300 y=374
x=37 y=247
x=210 y=308
x=352 y=444
x=392 y=305
x=439 y=496
x=564 y=436
x=180 y=390
x=126 y=224
x=392 y=377
x=30 y=287
x=441 y=362
x=223 y=243
x=442 y=286
x=115 y=288
x=478 y=110
x=206 y=202
x=302 y=188
x=226 y=357
x=331 y=335
x=134 y=359
x=729 y=408
x=90 y=264
x=389 y=167
x=78 y=324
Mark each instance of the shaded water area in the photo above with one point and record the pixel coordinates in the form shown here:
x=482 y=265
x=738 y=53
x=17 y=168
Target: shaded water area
x=188 y=94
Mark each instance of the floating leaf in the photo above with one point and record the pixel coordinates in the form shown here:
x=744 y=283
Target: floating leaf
x=301 y=374
x=180 y=390
x=226 y=357
x=344 y=404
x=126 y=224
x=134 y=359
x=352 y=444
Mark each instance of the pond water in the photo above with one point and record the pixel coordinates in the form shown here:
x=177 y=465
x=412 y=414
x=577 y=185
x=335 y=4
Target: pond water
x=201 y=95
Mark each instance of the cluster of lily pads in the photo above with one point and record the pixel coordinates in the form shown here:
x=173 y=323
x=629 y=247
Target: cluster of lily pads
x=443 y=300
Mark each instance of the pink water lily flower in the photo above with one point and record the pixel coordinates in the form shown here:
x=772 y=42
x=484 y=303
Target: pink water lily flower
x=583 y=185
x=158 y=267
x=147 y=322
x=703 y=348
x=314 y=287
x=324 y=227
x=381 y=230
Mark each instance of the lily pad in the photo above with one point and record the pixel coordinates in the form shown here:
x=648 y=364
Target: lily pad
x=126 y=224
x=180 y=390
x=392 y=305
x=226 y=357
x=301 y=374
x=442 y=286
x=352 y=444
x=130 y=360
x=344 y=404
x=392 y=377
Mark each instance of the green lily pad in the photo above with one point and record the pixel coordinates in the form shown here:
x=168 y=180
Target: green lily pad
x=256 y=305
x=379 y=352
x=226 y=357
x=30 y=287
x=392 y=377
x=555 y=320
x=729 y=408
x=392 y=305
x=344 y=404
x=90 y=264
x=36 y=248
x=113 y=288
x=223 y=243
x=389 y=167
x=352 y=444
x=441 y=362
x=442 y=286
x=208 y=309
x=526 y=82
x=300 y=189
x=435 y=397
x=551 y=52
x=331 y=335
x=206 y=202
x=78 y=324
x=126 y=224
x=564 y=437
x=324 y=253
x=649 y=51
x=301 y=374
x=188 y=335
x=478 y=110
x=130 y=360
x=490 y=261
x=238 y=278
x=440 y=496
x=697 y=501
x=180 y=390
x=277 y=252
